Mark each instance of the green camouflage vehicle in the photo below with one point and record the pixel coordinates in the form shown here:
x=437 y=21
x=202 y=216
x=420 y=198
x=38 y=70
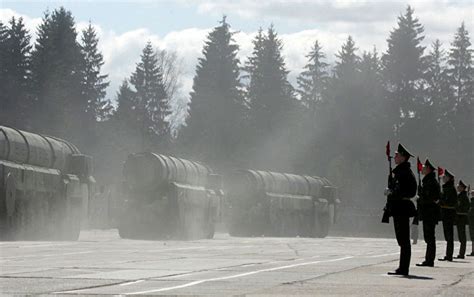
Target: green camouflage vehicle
x=264 y=203
x=167 y=197
x=45 y=184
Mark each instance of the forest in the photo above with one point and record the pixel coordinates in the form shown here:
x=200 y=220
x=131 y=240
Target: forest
x=334 y=121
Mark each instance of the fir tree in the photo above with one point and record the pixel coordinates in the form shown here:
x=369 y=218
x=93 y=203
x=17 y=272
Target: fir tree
x=312 y=81
x=404 y=67
x=57 y=77
x=3 y=49
x=461 y=75
x=95 y=83
x=217 y=108
x=151 y=100
x=269 y=92
x=125 y=104
x=15 y=73
x=347 y=61
x=437 y=80
x=461 y=67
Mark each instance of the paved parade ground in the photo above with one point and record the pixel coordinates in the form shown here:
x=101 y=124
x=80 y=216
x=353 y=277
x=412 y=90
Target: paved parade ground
x=101 y=263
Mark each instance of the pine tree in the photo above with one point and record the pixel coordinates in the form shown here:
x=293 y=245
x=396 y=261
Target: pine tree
x=312 y=81
x=217 y=107
x=404 y=67
x=57 y=77
x=15 y=72
x=151 y=100
x=95 y=84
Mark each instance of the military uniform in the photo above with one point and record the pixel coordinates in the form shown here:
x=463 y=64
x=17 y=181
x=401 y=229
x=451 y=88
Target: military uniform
x=428 y=212
x=448 y=215
x=471 y=224
x=403 y=188
x=462 y=209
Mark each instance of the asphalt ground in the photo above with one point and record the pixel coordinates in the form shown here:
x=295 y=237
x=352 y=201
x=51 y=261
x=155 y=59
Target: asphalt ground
x=101 y=263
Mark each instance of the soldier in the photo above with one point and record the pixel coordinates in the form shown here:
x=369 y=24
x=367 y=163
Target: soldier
x=401 y=190
x=429 y=194
x=448 y=213
x=462 y=209
x=471 y=223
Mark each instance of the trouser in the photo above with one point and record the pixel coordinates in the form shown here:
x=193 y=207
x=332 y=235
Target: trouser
x=462 y=238
x=471 y=233
x=402 y=233
x=448 y=230
x=414 y=232
x=429 y=227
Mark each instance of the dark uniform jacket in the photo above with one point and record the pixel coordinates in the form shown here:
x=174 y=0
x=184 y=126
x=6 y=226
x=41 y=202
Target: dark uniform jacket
x=471 y=211
x=448 y=202
x=462 y=209
x=403 y=188
x=429 y=194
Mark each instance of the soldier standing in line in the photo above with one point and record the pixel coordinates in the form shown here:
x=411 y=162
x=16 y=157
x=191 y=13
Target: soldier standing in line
x=471 y=223
x=401 y=190
x=462 y=209
x=429 y=194
x=448 y=213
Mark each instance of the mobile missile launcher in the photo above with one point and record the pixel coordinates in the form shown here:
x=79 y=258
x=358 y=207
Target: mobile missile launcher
x=168 y=197
x=45 y=184
x=279 y=204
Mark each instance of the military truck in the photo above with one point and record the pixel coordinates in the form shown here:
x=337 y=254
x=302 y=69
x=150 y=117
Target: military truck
x=264 y=203
x=168 y=198
x=45 y=183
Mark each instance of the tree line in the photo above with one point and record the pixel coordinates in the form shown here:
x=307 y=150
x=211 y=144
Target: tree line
x=333 y=122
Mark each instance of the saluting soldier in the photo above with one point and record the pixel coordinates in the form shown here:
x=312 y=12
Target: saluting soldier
x=402 y=189
x=471 y=223
x=429 y=194
x=462 y=209
x=448 y=213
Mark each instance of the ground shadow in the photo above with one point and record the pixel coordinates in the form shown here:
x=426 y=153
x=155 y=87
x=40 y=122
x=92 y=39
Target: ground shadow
x=420 y=277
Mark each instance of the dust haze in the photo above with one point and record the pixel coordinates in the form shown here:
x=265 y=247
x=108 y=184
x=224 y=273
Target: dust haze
x=331 y=123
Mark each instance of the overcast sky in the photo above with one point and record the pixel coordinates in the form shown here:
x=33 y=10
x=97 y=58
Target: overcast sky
x=182 y=25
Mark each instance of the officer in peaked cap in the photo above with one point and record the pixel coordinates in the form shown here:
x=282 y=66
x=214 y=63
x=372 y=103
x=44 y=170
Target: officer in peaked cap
x=462 y=210
x=429 y=194
x=448 y=204
x=402 y=189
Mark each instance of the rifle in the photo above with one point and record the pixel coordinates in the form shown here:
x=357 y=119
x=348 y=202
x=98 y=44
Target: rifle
x=386 y=209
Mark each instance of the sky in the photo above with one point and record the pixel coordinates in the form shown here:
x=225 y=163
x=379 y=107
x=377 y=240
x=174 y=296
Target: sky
x=181 y=26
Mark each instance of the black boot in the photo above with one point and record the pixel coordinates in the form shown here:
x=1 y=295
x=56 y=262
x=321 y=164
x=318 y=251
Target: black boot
x=425 y=264
x=398 y=272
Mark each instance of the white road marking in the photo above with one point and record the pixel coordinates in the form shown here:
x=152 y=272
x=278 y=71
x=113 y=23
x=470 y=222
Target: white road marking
x=44 y=245
x=194 y=283
x=132 y=283
x=40 y=256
